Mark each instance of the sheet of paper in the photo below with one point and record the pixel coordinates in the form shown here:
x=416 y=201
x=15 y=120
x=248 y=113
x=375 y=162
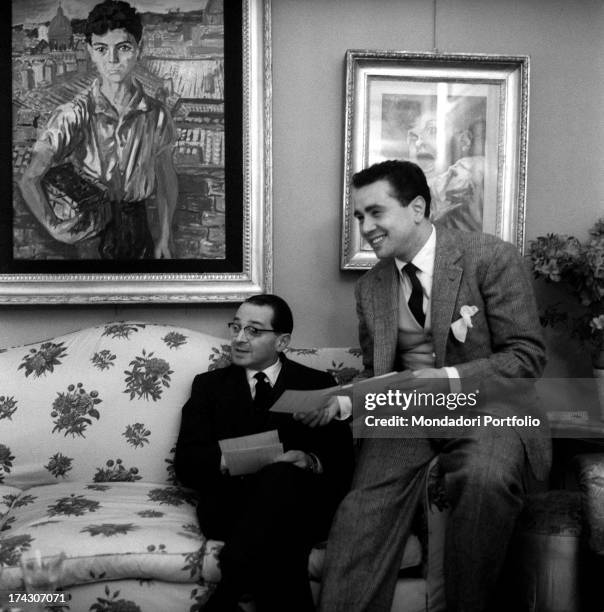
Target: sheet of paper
x=292 y=400
x=250 y=460
x=377 y=384
x=265 y=438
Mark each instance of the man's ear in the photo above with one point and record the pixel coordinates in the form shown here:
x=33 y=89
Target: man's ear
x=418 y=205
x=283 y=342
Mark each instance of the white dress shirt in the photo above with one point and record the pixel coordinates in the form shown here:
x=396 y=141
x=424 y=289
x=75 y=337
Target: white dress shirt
x=272 y=373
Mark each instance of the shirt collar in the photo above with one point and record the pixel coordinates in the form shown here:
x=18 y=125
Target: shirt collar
x=424 y=259
x=272 y=373
x=138 y=101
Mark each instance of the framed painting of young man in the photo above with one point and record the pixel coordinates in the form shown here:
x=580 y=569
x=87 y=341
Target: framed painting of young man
x=462 y=118
x=139 y=152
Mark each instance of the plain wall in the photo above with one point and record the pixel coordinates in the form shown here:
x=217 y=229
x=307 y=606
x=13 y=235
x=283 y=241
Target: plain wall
x=565 y=189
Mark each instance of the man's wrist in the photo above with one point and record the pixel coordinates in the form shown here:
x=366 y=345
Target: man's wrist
x=454 y=379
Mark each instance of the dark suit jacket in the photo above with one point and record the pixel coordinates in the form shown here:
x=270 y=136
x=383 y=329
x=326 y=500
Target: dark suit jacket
x=220 y=407
x=505 y=342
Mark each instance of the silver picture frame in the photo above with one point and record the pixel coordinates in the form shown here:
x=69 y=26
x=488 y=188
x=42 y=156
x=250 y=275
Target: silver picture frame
x=462 y=117
x=255 y=275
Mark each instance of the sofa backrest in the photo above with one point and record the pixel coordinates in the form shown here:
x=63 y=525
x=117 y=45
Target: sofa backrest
x=104 y=403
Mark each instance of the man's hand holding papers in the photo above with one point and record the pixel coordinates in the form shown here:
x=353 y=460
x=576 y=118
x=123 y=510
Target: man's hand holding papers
x=247 y=454
x=318 y=408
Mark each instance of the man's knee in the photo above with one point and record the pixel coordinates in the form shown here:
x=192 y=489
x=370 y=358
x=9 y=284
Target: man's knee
x=494 y=462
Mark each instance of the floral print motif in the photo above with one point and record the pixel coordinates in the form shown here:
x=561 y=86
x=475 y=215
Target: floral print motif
x=44 y=523
x=341 y=374
x=194 y=562
x=18 y=501
x=8 y=407
x=7 y=523
x=109 y=529
x=147 y=376
x=137 y=434
x=103 y=360
x=6 y=461
x=73 y=410
x=44 y=359
x=116 y=472
x=220 y=358
x=173 y=496
x=122 y=330
x=113 y=604
x=150 y=514
x=13 y=547
x=191 y=530
x=200 y=596
x=98 y=487
x=174 y=339
x=74 y=505
x=170 y=467
x=301 y=351
x=59 y=465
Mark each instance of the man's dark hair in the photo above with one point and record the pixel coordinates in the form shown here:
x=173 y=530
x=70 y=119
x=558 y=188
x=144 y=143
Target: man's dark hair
x=113 y=15
x=406 y=179
x=282 y=320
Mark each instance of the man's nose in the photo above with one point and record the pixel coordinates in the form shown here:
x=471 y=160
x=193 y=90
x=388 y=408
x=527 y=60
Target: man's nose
x=367 y=225
x=241 y=337
x=113 y=55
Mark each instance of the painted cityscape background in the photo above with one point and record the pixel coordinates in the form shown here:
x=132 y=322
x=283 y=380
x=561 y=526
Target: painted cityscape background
x=182 y=63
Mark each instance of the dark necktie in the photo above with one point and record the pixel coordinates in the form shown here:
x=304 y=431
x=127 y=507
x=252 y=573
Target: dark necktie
x=416 y=299
x=263 y=392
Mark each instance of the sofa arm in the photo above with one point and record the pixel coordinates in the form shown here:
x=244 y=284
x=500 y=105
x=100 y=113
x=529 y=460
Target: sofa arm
x=590 y=475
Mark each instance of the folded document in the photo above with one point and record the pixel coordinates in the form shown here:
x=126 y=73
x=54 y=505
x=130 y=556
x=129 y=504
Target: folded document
x=247 y=454
x=292 y=401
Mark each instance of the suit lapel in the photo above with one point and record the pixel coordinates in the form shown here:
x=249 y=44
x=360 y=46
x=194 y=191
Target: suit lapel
x=385 y=305
x=281 y=382
x=238 y=389
x=445 y=287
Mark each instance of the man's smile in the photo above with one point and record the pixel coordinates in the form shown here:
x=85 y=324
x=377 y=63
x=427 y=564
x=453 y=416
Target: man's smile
x=376 y=240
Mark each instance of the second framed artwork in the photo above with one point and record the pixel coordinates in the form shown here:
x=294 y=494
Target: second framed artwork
x=462 y=118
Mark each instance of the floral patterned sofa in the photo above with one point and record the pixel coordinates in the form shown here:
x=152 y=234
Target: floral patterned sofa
x=88 y=424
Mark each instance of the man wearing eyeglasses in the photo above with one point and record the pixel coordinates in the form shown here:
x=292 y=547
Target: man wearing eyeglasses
x=269 y=520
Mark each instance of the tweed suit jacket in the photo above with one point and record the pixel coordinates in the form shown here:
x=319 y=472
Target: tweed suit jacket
x=505 y=342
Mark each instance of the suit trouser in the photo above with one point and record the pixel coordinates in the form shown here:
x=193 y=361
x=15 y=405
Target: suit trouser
x=485 y=477
x=269 y=522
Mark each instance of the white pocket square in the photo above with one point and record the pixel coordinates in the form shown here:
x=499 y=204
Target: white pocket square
x=460 y=327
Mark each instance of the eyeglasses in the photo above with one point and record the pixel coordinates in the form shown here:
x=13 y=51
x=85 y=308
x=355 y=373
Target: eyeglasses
x=249 y=330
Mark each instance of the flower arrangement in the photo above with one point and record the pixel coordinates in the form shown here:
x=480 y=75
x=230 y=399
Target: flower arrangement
x=580 y=268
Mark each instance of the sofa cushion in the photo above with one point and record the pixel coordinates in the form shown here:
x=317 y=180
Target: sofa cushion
x=109 y=532
x=71 y=406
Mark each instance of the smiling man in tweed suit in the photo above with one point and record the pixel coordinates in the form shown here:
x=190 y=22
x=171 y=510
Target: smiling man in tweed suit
x=405 y=318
